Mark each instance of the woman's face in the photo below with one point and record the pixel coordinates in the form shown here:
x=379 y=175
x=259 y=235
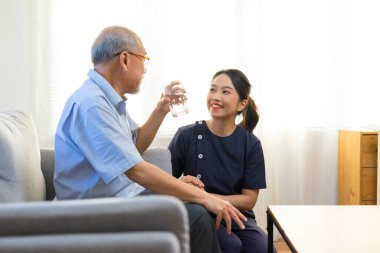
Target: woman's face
x=223 y=100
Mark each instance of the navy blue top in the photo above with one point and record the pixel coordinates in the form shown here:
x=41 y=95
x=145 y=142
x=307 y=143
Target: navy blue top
x=226 y=165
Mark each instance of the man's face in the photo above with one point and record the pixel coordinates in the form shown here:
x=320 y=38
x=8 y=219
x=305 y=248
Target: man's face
x=137 y=68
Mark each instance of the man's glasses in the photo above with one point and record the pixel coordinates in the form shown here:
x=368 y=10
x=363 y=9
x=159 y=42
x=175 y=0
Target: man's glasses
x=143 y=57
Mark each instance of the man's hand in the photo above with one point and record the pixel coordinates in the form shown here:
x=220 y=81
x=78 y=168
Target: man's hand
x=224 y=211
x=163 y=104
x=173 y=93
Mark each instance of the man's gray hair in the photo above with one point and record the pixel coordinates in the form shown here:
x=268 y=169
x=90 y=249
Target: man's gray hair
x=111 y=41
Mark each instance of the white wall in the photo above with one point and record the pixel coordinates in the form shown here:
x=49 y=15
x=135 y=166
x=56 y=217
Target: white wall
x=17 y=45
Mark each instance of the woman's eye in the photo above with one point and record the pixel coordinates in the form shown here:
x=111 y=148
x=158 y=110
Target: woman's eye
x=226 y=92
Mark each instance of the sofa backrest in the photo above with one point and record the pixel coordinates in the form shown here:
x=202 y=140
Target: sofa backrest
x=21 y=177
x=160 y=157
x=25 y=173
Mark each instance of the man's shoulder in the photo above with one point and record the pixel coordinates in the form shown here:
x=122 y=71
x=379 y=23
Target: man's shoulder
x=87 y=96
x=88 y=90
x=81 y=101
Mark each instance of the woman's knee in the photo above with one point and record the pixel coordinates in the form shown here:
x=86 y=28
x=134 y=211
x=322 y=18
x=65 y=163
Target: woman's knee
x=231 y=246
x=229 y=243
x=256 y=241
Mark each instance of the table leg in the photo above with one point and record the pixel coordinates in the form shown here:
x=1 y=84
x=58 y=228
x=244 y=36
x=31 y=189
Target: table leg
x=270 y=232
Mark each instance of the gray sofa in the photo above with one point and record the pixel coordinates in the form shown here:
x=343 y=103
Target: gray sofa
x=31 y=222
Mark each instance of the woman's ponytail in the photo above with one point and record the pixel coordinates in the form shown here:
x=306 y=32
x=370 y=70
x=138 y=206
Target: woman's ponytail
x=250 y=115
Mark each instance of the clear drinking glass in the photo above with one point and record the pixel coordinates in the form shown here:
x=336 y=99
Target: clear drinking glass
x=176 y=93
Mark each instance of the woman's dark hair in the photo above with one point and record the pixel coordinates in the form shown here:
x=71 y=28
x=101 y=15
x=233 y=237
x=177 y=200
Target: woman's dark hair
x=243 y=87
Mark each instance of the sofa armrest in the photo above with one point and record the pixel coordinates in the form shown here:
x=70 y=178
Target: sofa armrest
x=47 y=167
x=107 y=215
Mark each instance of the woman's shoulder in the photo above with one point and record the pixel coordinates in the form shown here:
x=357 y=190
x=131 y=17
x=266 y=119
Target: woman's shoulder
x=250 y=136
x=197 y=123
x=186 y=128
x=189 y=129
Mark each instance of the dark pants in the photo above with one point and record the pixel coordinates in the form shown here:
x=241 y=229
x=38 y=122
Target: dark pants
x=252 y=239
x=203 y=238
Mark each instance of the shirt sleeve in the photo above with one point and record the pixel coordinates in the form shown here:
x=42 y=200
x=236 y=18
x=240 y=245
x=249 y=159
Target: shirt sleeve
x=254 y=173
x=105 y=143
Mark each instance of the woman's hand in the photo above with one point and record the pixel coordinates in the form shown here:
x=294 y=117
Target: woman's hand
x=193 y=181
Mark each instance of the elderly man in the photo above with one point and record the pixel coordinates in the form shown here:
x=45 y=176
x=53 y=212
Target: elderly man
x=98 y=145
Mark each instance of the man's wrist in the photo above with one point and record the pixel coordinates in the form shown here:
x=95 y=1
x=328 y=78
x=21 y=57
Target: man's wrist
x=160 y=112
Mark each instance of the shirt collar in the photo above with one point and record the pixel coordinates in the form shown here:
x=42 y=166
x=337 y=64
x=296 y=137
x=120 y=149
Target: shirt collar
x=106 y=87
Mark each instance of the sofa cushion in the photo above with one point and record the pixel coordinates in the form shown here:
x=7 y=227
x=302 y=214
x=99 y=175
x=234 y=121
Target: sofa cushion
x=21 y=177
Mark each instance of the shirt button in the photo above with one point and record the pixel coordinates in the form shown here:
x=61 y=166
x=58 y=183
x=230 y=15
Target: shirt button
x=199 y=176
x=200 y=122
x=200 y=137
x=200 y=156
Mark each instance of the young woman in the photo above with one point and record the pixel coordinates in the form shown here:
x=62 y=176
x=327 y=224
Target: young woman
x=224 y=158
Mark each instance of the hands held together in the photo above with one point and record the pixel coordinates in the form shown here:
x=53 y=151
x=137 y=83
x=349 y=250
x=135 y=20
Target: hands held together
x=223 y=210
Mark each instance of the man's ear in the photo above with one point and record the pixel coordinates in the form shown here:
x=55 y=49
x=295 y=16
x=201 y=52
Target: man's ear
x=123 y=60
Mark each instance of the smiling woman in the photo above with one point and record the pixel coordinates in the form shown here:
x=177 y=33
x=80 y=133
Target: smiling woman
x=310 y=75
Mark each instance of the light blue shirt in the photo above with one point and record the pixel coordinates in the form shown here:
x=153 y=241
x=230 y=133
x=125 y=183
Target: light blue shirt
x=95 y=144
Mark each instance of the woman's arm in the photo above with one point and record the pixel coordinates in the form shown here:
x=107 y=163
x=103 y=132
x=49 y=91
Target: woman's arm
x=193 y=181
x=244 y=201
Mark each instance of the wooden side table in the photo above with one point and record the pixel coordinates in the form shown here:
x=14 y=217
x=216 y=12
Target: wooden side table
x=357 y=167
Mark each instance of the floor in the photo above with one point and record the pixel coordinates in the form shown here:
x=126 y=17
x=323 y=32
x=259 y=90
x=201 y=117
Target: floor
x=281 y=246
